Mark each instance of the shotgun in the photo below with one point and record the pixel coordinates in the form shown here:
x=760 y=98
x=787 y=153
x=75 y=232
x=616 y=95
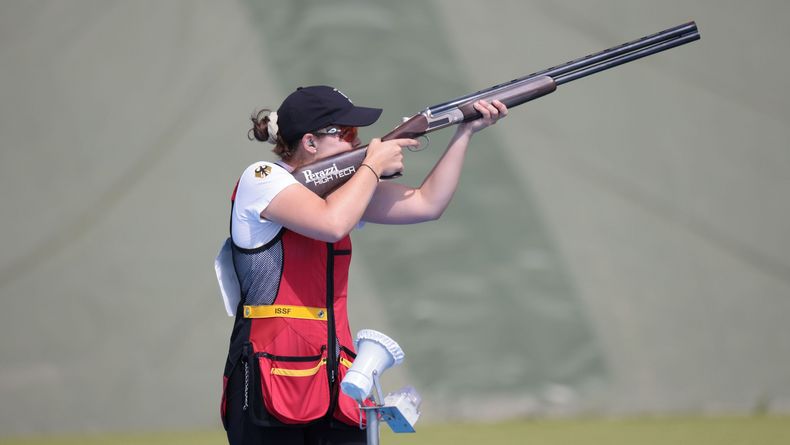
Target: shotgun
x=323 y=176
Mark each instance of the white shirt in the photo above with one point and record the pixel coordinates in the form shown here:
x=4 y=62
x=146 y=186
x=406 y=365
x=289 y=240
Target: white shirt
x=258 y=185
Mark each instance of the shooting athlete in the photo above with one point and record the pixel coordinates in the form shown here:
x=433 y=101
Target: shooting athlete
x=290 y=250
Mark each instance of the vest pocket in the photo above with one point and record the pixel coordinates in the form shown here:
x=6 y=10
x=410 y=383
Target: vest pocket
x=347 y=408
x=295 y=389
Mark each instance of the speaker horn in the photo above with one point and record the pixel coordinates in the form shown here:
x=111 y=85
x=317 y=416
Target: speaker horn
x=375 y=354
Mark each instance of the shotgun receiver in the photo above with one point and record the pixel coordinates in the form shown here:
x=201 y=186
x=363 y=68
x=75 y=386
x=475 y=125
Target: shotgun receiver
x=327 y=174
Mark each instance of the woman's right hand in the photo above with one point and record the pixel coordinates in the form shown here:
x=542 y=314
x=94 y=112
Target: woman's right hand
x=386 y=157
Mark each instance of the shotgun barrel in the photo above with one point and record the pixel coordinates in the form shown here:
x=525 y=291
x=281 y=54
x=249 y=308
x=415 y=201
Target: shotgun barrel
x=590 y=64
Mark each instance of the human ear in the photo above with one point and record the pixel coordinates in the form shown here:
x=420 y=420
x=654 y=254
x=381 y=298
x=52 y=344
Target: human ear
x=308 y=141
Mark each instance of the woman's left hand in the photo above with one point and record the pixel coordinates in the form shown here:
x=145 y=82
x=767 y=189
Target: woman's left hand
x=491 y=113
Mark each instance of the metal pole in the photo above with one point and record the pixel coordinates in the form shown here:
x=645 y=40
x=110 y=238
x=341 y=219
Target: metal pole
x=373 y=426
x=372 y=412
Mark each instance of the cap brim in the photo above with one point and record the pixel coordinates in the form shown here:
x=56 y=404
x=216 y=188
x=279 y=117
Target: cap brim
x=358 y=117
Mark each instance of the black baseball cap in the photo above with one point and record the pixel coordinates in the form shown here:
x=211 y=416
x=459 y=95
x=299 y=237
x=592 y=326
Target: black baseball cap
x=312 y=108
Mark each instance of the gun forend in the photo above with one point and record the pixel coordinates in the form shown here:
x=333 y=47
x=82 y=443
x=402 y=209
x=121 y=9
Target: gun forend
x=512 y=95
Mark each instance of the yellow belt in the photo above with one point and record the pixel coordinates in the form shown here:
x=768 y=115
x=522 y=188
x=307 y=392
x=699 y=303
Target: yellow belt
x=285 y=311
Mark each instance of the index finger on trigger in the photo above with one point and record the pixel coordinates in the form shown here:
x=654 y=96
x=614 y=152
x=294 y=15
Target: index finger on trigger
x=405 y=142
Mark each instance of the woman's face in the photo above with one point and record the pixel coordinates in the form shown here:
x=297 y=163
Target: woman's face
x=335 y=139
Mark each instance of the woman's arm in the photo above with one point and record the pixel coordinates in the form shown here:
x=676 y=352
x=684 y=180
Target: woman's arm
x=299 y=209
x=395 y=203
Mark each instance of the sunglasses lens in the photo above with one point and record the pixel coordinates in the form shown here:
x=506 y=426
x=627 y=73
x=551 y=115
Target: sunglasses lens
x=348 y=134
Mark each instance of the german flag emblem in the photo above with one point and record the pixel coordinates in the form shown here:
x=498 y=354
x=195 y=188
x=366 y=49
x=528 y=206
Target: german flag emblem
x=263 y=171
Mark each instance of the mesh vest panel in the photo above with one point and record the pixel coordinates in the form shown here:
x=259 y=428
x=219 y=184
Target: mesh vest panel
x=259 y=272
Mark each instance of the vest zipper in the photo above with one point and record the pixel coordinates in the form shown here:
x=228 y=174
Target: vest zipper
x=331 y=340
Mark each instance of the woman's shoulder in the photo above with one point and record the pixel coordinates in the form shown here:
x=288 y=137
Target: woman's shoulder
x=264 y=177
x=264 y=169
x=265 y=172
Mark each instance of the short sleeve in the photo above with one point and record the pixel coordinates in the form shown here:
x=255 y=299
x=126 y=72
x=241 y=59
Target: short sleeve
x=258 y=186
x=260 y=183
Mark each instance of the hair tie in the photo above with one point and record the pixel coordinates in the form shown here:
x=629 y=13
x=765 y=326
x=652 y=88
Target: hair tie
x=273 y=128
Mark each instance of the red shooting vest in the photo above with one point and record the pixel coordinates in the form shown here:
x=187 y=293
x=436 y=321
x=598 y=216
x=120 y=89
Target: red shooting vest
x=291 y=331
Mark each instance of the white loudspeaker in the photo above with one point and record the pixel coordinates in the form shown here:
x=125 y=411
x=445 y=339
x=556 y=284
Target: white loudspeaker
x=375 y=352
